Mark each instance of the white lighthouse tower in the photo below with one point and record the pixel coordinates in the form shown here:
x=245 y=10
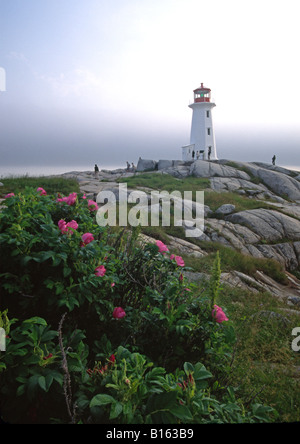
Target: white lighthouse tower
x=202 y=140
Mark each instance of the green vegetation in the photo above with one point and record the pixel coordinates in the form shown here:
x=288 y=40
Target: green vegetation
x=51 y=184
x=213 y=199
x=234 y=260
x=104 y=330
x=158 y=181
x=231 y=259
x=264 y=365
x=135 y=342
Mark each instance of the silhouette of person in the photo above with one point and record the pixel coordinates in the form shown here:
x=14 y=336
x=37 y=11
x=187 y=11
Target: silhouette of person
x=209 y=153
x=193 y=154
x=96 y=171
x=273 y=159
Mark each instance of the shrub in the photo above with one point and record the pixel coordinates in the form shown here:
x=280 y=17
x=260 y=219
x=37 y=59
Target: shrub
x=103 y=328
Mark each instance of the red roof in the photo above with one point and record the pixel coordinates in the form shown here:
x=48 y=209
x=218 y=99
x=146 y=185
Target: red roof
x=202 y=88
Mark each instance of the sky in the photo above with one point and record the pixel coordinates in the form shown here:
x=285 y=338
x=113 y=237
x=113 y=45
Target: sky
x=106 y=81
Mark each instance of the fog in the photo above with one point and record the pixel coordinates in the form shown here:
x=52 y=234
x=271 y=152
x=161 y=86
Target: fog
x=106 y=82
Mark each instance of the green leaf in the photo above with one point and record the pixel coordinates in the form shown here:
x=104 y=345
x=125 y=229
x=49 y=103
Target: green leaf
x=21 y=390
x=188 y=368
x=200 y=372
x=162 y=401
x=49 y=335
x=101 y=399
x=261 y=412
x=48 y=381
x=35 y=320
x=182 y=412
x=32 y=386
x=42 y=383
x=116 y=409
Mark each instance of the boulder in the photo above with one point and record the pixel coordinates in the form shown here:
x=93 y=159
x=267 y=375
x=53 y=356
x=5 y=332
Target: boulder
x=179 y=172
x=270 y=225
x=163 y=164
x=277 y=179
x=226 y=209
x=235 y=184
x=203 y=168
x=146 y=165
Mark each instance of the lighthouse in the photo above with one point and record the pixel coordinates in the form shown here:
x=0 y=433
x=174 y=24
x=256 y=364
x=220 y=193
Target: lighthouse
x=202 y=139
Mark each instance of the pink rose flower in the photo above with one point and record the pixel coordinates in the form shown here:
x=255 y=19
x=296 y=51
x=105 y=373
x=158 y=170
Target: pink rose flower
x=62 y=225
x=65 y=227
x=73 y=224
x=162 y=248
x=100 y=271
x=87 y=238
x=41 y=191
x=178 y=259
x=112 y=284
x=218 y=314
x=119 y=313
x=70 y=200
x=9 y=195
x=92 y=205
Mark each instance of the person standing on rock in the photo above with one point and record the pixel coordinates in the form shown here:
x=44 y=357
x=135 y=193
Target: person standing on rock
x=209 y=152
x=193 y=154
x=96 y=171
x=273 y=159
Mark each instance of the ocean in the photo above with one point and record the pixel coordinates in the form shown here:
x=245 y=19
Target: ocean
x=21 y=170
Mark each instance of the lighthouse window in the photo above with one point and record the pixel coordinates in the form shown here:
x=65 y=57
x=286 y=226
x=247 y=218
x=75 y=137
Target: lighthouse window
x=208 y=131
x=207 y=113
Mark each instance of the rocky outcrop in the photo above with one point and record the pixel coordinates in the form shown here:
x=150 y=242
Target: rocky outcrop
x=146 y=165
x=264 y=232
x=278 y=180
x=270 y=225
x=202 y=168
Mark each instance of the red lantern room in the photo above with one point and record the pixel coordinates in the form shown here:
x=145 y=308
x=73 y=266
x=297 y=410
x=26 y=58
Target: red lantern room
x=202 y=94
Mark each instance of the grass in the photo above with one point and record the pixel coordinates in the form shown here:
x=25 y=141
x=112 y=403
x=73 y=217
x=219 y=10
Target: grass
x=166 y=182
x=234 y=260
x=264 y=364
x=231 y=259
x=213 y=199
x=50 y=184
